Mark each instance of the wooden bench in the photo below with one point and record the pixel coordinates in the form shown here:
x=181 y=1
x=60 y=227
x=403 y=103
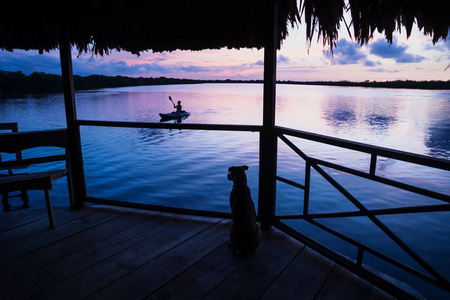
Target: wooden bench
x=19 y=141
x=13 y=127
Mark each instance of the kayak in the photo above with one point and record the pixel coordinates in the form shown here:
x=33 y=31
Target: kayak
x=175 y=115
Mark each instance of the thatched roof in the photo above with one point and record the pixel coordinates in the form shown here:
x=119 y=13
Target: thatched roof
x=166 y=25
x=137 y=25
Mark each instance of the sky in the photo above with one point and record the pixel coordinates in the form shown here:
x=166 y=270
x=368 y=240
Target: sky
x=415 y=58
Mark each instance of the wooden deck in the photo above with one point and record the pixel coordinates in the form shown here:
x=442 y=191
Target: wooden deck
x=100 y=252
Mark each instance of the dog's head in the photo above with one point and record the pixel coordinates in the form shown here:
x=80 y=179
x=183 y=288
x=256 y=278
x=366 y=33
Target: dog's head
x=237 y=174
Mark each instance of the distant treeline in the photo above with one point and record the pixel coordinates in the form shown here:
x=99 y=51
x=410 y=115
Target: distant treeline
x=17 y=82
x=37 y=83
x=397 y=84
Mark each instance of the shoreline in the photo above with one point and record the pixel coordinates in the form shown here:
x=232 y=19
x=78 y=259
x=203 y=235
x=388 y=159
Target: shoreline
x=17 y=83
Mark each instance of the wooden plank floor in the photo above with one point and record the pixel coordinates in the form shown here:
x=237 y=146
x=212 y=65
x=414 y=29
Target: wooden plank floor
x=101 y=252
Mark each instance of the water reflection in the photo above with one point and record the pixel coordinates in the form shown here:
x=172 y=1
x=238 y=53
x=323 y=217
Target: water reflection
x=379 y=122
x=437 y=140
x=156 y=136
x=340 y=112
x=375 y=115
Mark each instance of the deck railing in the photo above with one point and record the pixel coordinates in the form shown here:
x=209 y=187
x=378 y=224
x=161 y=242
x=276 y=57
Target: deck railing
x=180 y=126
x=356 y=265
x=434 y=277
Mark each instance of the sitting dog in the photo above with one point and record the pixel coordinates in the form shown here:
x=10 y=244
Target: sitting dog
x=245 y=233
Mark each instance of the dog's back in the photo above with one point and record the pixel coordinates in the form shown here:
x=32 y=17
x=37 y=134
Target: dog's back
x=245 y=233
x=242 y=209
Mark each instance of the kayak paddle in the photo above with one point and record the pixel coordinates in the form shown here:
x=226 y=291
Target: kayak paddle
x=170 y=98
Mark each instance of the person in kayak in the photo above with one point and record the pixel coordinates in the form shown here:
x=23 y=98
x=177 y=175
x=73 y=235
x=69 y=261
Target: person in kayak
x=178 y=107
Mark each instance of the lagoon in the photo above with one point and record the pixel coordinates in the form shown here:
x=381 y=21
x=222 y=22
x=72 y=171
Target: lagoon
x=187 y=168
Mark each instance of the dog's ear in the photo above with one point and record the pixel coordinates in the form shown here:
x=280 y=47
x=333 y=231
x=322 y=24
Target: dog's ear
x=245 y=168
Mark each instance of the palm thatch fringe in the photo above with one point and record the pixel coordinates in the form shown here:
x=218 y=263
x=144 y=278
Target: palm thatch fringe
x=368 y=16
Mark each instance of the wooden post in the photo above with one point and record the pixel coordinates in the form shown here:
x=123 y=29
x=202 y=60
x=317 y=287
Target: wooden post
x=268 y=138
x=73 y=130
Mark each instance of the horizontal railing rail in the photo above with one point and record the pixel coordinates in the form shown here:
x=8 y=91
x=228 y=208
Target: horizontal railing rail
x=154 y=125
x=403 y=156
x=433 y=276
x=373 y=150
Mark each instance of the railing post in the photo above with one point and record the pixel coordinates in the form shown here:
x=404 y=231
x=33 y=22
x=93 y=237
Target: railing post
x=73 y=130
x=373 y=164
x=268 y=138
x=307 y=188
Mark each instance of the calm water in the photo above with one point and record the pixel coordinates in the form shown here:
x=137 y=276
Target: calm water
x=187 y=168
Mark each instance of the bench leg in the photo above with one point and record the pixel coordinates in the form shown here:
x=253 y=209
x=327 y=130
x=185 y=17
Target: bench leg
x=49 y=209
x=71 y=192
x=24 y=196
x=6 y=206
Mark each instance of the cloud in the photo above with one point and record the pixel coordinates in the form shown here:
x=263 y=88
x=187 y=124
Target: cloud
x=347 y=53
x=29 y=62
x=283 y=59
x=383 y=70
x=258 y=63
x=117 y=67
x=441 y=48
x=156 y=57
x=394 y=51
x=193 y=69
x=369 y=63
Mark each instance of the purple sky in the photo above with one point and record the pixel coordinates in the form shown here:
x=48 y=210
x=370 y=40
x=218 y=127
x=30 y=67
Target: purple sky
x=412 y=59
